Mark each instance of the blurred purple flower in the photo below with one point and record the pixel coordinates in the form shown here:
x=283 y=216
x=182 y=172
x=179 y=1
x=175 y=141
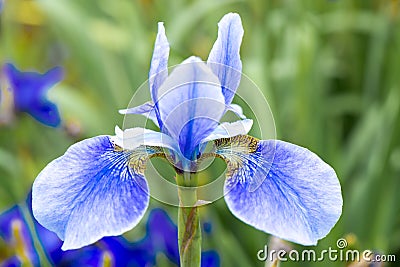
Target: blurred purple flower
x=207 y=227
x=14 y=231
x=30 y=93
x=160 y=237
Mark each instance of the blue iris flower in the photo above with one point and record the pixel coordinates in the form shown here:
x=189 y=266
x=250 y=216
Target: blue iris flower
x=29 y=91
x=98 y=188
x=160 y=238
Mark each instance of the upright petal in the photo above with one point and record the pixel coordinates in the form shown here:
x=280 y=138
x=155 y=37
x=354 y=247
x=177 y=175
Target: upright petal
x=95 y=189
x=281 y=188
x=159 y=64
x=29 y=91
x=190 y=104
x=224 y=58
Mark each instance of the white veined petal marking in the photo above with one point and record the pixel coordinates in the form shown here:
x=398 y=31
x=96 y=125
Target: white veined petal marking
x=139 y=156
x=244 y=160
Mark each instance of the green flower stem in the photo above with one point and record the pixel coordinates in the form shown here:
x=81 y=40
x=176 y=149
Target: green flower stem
x=189 y=231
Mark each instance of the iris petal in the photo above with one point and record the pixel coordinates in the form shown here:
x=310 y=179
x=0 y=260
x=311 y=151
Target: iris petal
x=297 y=196
x=95 y=189
x=159 y=65
x=230 y=129
x=190 y=104
x=132 y=138
x=159 y=62
x=147 y=109
x=157 y=75
x=238 y=110
x=224 y=58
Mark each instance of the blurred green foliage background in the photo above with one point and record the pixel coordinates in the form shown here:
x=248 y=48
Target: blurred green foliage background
x=330 y=71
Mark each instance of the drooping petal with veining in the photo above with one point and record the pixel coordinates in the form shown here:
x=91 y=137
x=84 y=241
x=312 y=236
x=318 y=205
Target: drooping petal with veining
x=29 y=92
x=191 y=104
x=280 y=188
x=224 y=58
x=95 y=189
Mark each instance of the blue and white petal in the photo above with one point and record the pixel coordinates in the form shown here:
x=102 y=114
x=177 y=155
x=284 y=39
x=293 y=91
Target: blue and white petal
x=280 y=188
x=230 y=129
x=132 y=138
x=95 y=189
x=238 y=110
x=224 y=58
x=147 y=109
x=191 y=104
x=159 y=65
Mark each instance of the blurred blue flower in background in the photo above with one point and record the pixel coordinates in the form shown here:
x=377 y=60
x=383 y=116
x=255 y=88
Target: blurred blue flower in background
x=16 y=238
x=160 y=238
x=207 y=227
x=19 y=236
x=98 y=188
x=29 y=90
